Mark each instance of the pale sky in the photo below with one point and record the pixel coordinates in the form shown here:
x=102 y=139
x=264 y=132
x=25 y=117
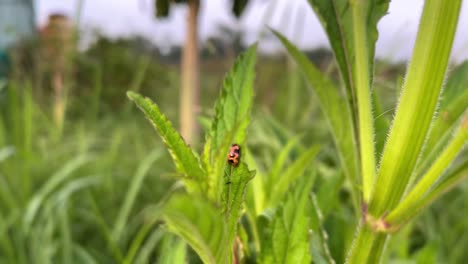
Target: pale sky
x=130 y=17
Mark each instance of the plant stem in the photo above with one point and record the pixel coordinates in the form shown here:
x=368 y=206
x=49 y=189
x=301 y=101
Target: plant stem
x=406 y=207
x=418 y=101
x=362 y=84
x=367 y=246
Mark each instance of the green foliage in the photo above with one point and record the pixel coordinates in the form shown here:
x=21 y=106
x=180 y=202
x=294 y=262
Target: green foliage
x=235 y=186
x=421 y=89
x=337 y=20
x=287 y=238
x=186 y=162
x=280 y=184
x=102 y=190
x=336 y=110
x=173 y=250
x=200 y=225
x=231 y=119
x=351 y=29
x=133 y=190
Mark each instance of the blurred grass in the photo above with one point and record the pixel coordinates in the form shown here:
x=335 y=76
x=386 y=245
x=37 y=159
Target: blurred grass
x=89 y=194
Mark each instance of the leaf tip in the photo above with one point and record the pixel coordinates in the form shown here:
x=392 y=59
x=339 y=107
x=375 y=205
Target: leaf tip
x=132 y=95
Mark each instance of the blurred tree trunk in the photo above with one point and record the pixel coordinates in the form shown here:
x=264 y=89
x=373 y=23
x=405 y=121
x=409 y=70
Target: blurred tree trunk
x=189 y=96
x=57 y=48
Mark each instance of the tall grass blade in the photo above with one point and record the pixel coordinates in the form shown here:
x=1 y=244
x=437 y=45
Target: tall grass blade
x=134 y=188
x=58 y=178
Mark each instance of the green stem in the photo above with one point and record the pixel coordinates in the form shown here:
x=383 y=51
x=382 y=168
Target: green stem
x=367 y=247
x=421 y=90
x=362 y=84
x=406 y=207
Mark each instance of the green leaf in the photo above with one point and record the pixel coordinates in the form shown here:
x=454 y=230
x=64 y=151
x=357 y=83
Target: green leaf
x=132 y=192
x=55 y=180
x=280 y=161
x=289 y=241
x=291 y=174
x=184 y=158
x=421 y=90
x=337 y=113
x=200 y=225
x=336 y=19
x=328 y=193
x=362 y=81
x=235 y=184
x=456 y=85
x=452 y=105
x=256 y=192
x=231 y=119
x=173 y=250
x=320 y=250
x=448 y=182
x=428 y=254
x=144 y=254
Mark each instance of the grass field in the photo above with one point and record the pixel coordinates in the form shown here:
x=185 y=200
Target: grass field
x=90 y=191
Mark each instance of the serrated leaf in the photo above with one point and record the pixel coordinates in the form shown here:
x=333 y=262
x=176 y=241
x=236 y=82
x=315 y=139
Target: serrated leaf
x=336 y=110
x=200 y=225
x=289 y=241
x=184 y=158
x=232 y=117
x=235 y=185
x=336 y=19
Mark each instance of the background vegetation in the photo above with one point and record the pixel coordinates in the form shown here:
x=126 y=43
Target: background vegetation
x=90 y=190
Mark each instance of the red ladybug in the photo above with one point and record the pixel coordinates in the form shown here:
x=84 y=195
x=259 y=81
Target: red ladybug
x=234 y=155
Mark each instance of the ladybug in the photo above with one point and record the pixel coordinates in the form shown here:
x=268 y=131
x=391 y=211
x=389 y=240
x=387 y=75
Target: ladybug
x=234 y=155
